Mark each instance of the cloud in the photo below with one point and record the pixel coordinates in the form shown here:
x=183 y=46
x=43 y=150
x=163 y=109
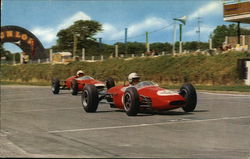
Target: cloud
x=246 y=26
x=69 y=21
x=110 y=32
x=45 y=34
x=208 y=9
x=146 y=25
x=205 y=31
x=205 y=10
x=48 y=35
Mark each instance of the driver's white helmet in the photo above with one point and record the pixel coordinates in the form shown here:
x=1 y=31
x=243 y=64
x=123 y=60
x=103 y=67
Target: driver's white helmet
x=79 y=72
x=132 y=76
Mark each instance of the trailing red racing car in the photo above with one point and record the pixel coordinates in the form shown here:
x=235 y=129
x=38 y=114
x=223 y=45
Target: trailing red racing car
x=144 y=95
x=76 y=84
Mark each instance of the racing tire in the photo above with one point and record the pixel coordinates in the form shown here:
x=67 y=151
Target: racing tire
x=110 y=83
x=189 y=93
x=55 y=86
x=90 y=98
x=131 y=101
x=74 y=87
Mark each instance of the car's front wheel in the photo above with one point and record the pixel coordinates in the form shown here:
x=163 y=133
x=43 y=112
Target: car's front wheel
x=110 y=83
x=131 y=101
x=90 y=98
x=189 y=93
x=55 y=86
x=74 y=87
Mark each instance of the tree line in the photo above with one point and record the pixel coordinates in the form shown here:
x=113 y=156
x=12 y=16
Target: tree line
x=82 y=34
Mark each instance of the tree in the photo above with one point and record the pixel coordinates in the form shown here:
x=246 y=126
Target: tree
x=84 y=30
x=160 y=47
x=195 y=45
x=220 y=32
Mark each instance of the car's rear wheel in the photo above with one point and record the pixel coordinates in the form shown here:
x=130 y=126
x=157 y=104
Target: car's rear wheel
x=110 y=83
x=55 y=86
x=189 y=93
x=90 y=98
x=131 y=101
x=74 y=87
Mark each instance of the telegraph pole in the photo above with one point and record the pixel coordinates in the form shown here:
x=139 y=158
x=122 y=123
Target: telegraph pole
x=199 y=31
x=238 y=33
x=180 y=47
x=75 y=46
x=125 y=41
x=147 y=43
x=174 y=36
x=100 y=44
x=100 y=40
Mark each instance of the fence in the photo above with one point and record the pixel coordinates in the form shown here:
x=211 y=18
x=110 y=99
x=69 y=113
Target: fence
x=88 y=58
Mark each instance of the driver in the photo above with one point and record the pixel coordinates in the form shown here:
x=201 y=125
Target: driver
x=79 y=73
x=133 y=78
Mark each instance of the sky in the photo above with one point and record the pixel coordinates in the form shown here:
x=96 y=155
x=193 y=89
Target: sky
x=45 y=18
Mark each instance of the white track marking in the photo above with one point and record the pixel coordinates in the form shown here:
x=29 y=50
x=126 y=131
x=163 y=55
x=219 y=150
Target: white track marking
x=235 y=95
x=153 y=124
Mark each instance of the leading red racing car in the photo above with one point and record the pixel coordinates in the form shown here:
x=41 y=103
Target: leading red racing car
x=144 y=95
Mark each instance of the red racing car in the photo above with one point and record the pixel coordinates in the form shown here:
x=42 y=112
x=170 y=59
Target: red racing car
x=76 y=84
x=144 y=95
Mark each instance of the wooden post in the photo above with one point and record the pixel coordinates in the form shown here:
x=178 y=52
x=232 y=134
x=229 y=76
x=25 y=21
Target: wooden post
x=243 y=40
x=21 y=58
x=226 y=40
x=210 y=44
x=116 y=51
x=83 y=54
x=180 y=47
x=50 y=55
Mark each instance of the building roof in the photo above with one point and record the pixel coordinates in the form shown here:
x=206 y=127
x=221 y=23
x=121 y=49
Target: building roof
x=237 y=11
x=64 y=53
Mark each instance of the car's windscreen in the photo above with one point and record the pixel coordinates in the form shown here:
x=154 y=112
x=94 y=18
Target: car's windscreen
x=84 y=78
x=145 y=83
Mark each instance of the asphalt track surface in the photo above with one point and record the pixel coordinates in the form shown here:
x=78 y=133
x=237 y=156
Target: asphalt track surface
x=36 y=123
